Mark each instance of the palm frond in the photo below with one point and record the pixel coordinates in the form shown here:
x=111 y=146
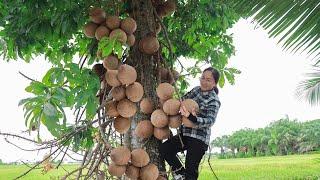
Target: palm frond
x=295 y=22
x=309 y=89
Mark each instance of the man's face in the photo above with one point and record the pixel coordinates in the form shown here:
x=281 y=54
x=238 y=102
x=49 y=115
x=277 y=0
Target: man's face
x=206 y=81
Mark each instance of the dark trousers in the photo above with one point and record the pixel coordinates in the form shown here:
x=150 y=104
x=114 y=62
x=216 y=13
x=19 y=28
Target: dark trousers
x=195 y=151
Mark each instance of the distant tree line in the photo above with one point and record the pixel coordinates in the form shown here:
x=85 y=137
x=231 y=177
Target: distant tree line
x=282 y=137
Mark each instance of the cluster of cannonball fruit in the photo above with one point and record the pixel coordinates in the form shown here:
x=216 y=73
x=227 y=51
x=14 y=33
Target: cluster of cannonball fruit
x=166 y=116
x=134 y=164
x=102 y=25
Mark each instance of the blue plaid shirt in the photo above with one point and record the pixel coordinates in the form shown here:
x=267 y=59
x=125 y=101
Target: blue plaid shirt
x=209 y=105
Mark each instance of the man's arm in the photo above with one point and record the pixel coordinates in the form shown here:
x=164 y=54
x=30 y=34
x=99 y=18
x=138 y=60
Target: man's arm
x=210 y=115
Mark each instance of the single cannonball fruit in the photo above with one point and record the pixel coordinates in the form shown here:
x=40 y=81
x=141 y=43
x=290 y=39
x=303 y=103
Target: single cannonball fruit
x=134 y=92
x=111 y=109
x=126 y=108
x=98 y=69
x=120 y=155
x=101 y=32
x=121 y=124
x=97 y=15
x=118 y=93
x=116 y=170
x=190 y=104
x=119 y=35
x=131 y=40
x=112 y=79
x=165 y=91
x=171 y=107
x=169 y=7
x=149 y=172
x=113 y=22
x=139 y=158
x=127 y=74
x=149 y=45
x=90 y=29
x=132 y=172
x=146 y=106
x=144 y=129
x=129 y=25
x=175 y=121
x=159 y=118
x=111 y=62
x=161 y=133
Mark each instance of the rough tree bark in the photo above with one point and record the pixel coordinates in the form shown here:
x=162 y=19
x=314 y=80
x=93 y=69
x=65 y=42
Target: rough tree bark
x=146 y=66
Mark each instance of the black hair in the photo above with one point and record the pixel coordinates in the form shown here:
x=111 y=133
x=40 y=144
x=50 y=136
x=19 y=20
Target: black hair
x=216 y=76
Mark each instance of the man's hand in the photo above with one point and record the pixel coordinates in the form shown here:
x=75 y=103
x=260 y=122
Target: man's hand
x=186 y=113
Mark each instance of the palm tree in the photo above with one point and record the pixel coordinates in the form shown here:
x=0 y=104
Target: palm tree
x=309 y=89
x=297 y=24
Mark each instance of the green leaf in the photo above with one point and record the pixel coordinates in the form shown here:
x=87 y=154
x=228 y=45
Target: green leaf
x=36 y=87
x=50 y=110
x=118 y=49
x=221 y=80
x=91 y=108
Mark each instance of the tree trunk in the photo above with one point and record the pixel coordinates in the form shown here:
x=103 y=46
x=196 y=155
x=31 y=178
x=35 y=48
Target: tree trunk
x=146 y=66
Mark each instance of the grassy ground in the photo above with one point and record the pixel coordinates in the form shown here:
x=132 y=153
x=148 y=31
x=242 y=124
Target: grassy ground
x=279 y=167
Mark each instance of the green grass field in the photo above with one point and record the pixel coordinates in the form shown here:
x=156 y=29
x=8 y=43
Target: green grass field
x=279 y=167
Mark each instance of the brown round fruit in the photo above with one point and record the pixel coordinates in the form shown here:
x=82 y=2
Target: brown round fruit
x=101 y=32
x=97 y=15
x=118 y=93
x=129 y=25
x=190 y=104
x=131 y=40
x=146 y=106
x=111 y=109
x=111 y=63
x=159 y=118
x=121 y=124
x=165 y=91
x=119 y=35
x=113 y=22
x=139 y=158
x=132 y=172
x=98 y=69
x=169 y=7
x=171 y=107
x=175 y=121
x=116 y=170
x=161 y=133
x=126 y=108
x=134 y=92
x=144 y=129
x=149 y=172
x=163 y=73
x=186 y=122
x=111 y=78
x=127 y=74
x=149 y=45
x=120 y=155
x=90 y=29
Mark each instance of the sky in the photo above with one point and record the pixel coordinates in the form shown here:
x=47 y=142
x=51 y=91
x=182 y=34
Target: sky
x=263 y=92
